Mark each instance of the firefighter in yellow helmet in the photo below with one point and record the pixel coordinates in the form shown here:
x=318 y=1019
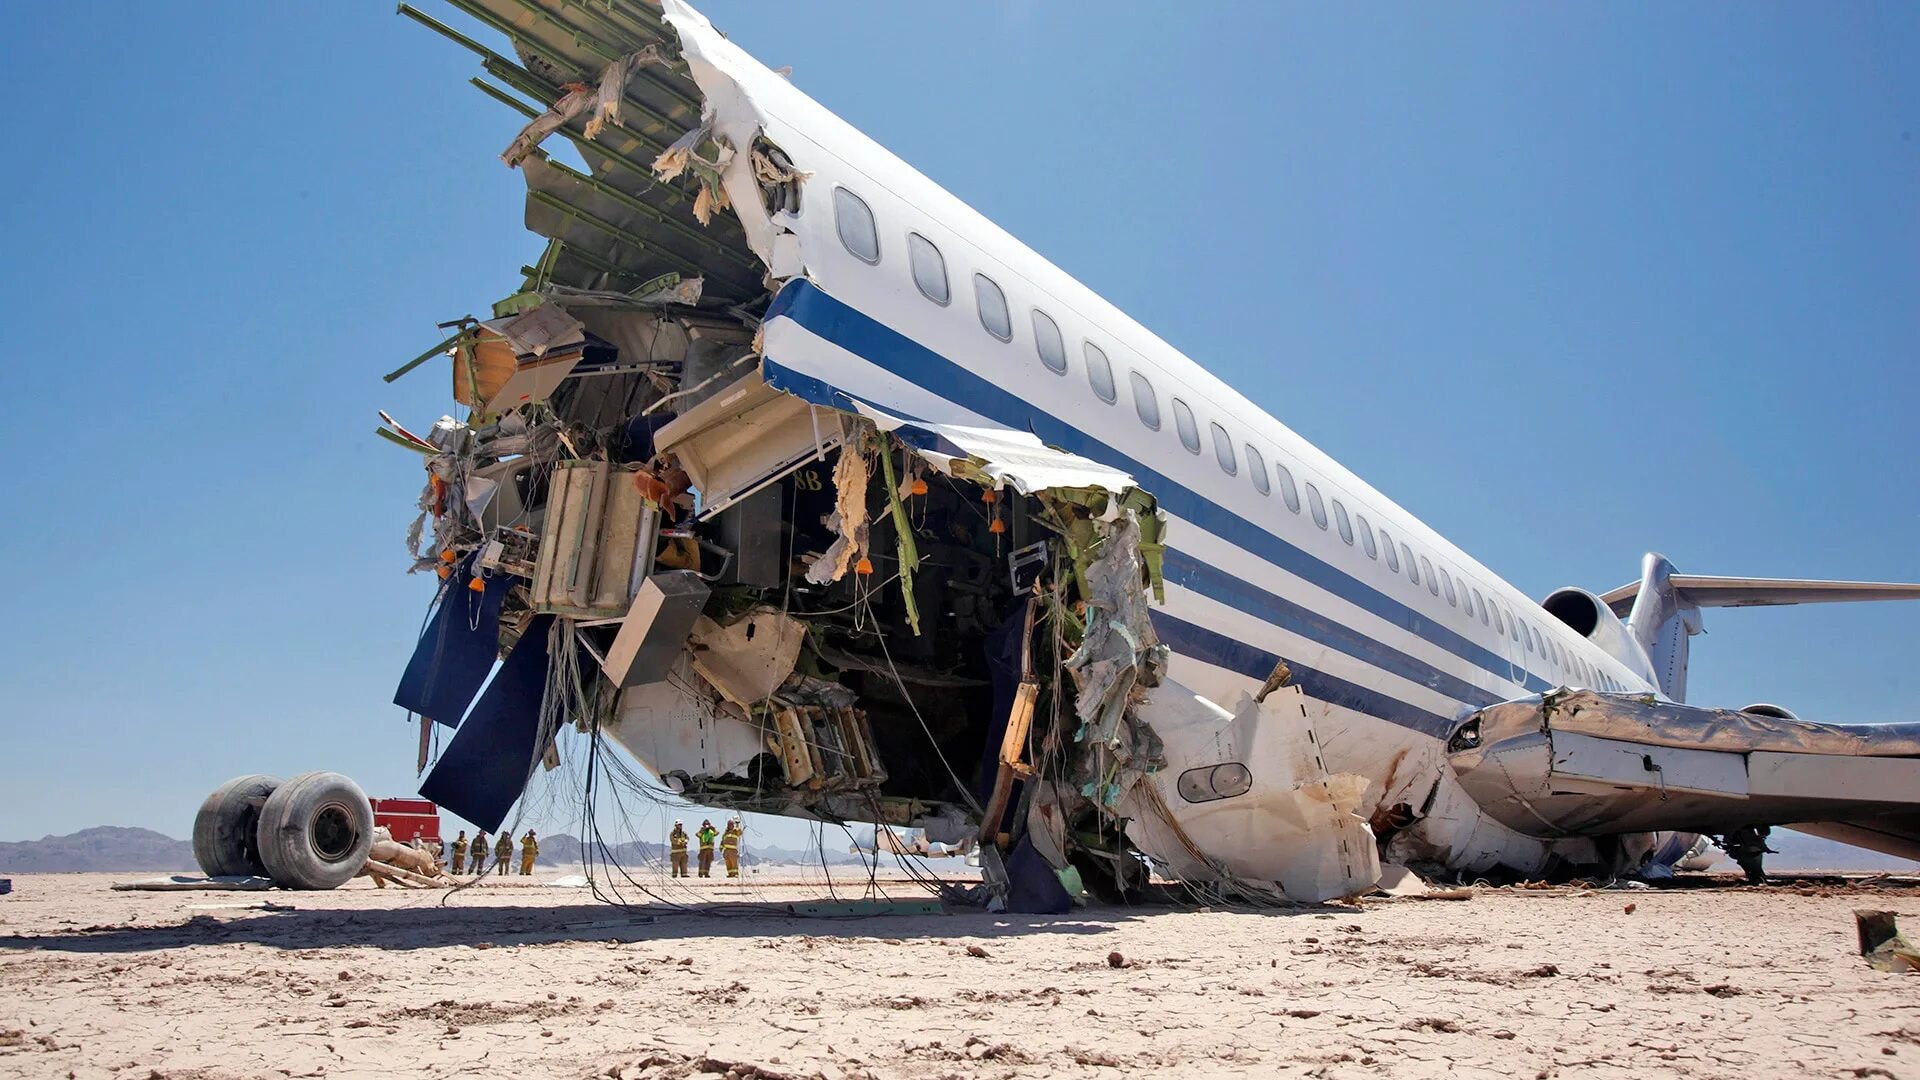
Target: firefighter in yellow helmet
x=479 y=849
x=502 y=853
x=459 y=865
x=529 y=850
x=677 y=842
x=706 y=836
x=730 y=847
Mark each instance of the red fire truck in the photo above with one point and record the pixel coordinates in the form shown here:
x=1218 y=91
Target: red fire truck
x=409 y=818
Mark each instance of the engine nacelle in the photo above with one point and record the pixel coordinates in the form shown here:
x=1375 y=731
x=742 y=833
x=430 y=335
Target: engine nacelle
x=1593 y=620
x=1778 y=712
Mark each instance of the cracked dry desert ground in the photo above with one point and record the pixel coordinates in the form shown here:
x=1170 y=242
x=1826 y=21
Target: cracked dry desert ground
x=517 y=979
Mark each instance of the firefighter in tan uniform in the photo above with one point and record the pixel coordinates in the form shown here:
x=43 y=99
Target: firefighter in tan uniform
x=529 y=850
x=479 y=849
x=677 y=843
x=502 y=853
x=730 y=847
x=459 y=864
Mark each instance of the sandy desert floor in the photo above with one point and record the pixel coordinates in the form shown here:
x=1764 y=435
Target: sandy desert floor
x=517 y=978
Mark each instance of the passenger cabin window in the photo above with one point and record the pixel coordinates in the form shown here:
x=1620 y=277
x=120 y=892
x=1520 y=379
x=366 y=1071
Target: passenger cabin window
x=1223 y=449
x=1406 y=555
x=1481 y=603
x=993 y=307
x=1393 y=559
x=1257 y=470
x=1144 y=401
x=1099 y=372
x=855 y=223
x=1047 y=342
x=1345 y=523
x=1499 y=623
x=1533 y=640
x=1289 y=493
x=1189 y=428
x=1433 y=582
x=1446 y=580
x=929 y=268
x=1466 y=598
x=1366 y=536
x=1314 y=505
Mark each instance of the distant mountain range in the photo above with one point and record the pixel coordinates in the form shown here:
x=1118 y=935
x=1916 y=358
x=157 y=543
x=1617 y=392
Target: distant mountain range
x=107 y=847
x=120 y=849
x=1798 y=851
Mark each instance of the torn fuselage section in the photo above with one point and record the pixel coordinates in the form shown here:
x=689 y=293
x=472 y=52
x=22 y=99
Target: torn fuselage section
x=793 y=602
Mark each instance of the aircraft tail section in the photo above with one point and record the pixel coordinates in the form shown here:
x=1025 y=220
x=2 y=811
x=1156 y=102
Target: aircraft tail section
x=1663 y=608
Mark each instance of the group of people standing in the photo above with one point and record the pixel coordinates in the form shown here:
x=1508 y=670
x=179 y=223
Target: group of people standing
x=728 y=842
x=729 y=847
x=502 y=853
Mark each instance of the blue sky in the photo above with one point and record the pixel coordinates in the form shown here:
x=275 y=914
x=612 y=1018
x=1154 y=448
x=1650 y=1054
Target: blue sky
x=1571 y=283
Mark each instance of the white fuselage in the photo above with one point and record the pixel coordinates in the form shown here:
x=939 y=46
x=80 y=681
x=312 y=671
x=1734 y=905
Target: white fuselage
x=1275 y=551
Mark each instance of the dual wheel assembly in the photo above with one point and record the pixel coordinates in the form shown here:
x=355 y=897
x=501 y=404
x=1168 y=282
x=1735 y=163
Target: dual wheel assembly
x=311 y=832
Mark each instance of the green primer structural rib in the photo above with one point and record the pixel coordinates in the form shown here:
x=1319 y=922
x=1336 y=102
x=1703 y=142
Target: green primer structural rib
x=903 y=535
x=424 y=357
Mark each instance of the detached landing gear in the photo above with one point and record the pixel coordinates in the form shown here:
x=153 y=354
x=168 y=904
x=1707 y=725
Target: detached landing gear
x=311 y=832
x=1747 y=846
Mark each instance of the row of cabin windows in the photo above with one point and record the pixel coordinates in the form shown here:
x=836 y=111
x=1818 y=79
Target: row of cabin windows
x=858 y=232
x=854 y=221
x=1402 y=558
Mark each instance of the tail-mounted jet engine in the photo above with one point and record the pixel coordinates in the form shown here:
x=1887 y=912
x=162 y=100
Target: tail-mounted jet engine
x=1592 y=619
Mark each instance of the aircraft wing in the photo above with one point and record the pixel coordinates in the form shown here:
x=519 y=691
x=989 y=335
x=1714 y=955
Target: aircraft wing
x=1585 y=763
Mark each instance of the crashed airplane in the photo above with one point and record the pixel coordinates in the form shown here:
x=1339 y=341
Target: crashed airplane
x=819 y=494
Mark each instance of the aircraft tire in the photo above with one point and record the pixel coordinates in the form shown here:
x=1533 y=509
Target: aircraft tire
x=315 y=831
x=225 y=830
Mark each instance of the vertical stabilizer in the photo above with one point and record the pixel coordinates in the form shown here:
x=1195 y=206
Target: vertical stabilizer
x=1662 y=619
x=1665 y=609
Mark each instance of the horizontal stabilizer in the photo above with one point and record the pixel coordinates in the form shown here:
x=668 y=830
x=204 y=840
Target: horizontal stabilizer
x=1706 y=592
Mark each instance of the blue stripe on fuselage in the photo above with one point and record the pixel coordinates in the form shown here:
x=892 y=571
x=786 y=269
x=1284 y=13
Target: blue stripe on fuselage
x=1199 y=643
x=828 y=318
x=1237 y=593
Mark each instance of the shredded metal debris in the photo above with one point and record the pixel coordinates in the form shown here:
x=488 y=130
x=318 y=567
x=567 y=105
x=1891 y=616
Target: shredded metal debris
x=784 y=605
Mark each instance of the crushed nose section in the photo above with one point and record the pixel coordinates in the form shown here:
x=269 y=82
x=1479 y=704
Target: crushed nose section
x=1245 y=802
x=714 y=541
